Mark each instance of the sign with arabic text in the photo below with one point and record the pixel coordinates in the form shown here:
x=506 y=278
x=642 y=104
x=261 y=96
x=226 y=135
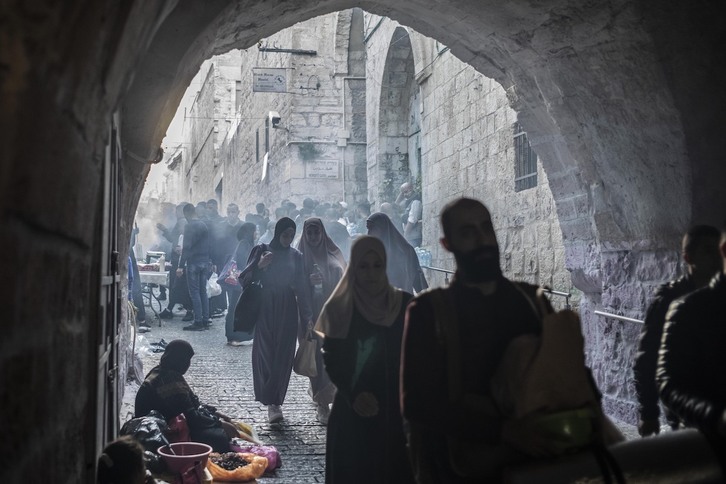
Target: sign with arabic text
x=322 y=169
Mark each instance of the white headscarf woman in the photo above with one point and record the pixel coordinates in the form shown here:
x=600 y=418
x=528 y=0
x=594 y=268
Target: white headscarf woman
x=375 y=299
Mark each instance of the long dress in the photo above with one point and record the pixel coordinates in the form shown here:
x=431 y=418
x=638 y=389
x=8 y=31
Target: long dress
x=283 y=301
x=366 y=449
x=331 y=262
x=240 y=256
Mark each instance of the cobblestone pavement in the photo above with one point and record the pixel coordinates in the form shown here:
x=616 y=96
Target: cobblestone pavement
x=221 y=375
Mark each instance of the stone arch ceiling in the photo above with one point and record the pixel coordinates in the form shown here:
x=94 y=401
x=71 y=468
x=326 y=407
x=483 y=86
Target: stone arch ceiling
x=585 y=79
x=623 y=101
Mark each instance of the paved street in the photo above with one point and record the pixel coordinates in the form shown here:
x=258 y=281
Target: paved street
x=221 y=375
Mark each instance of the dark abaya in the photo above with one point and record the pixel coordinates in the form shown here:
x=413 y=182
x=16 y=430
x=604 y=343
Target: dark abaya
x=366 y=449
x=284 y=300
x=403 y=269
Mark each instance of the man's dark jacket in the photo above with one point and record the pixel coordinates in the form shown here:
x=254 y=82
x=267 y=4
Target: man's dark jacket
x=692 y=362
x=647 y=358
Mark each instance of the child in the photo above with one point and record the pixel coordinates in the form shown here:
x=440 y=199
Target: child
x=122 y=462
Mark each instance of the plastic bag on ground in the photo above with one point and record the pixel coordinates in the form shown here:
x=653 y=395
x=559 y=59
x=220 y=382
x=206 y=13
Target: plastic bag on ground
x=268 y=451
x=255 y=467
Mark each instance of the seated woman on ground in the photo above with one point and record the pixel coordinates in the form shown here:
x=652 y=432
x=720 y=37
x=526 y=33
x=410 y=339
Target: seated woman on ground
x=165 y=390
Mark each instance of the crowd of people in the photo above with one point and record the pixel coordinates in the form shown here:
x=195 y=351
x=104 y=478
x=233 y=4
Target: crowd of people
x=414 y=377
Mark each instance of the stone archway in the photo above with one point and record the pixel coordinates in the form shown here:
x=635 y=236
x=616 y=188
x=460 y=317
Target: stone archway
x=623 y=102
x=388 y=146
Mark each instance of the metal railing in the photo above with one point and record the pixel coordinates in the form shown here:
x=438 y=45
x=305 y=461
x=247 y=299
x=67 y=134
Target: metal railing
x=566 y=295
x=438 y=269
x=447 y=272
x=618 y=317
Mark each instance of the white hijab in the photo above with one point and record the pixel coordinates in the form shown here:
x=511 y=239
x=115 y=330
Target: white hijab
x=379 y=306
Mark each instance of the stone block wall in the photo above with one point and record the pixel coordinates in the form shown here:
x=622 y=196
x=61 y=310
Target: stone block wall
x=309 y=153
x=467 y=145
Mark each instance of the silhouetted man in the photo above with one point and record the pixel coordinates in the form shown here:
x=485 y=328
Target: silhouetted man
x=486 y=312
x=700 y=254
x=195 y=261
x=691 y=372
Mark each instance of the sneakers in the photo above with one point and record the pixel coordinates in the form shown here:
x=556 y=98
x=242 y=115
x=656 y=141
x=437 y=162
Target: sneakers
x=207 y=324
x=323 y=414
x=274 y=413
x=144 y=327
x=189 y=316
x=166 y=314
x=195 y=327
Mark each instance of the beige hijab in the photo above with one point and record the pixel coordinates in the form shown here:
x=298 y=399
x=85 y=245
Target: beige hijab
x=380 y=305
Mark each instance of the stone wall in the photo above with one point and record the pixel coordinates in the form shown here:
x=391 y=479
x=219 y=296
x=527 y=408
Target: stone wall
x=316 y=148
x=207 y=124
x=467 y=148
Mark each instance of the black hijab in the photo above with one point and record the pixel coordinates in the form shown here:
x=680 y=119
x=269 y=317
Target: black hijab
x=403 y=268
x=283 y=224
x=177 y=356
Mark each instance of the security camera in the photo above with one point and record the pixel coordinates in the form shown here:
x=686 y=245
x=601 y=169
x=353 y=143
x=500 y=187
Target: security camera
x=274 y=119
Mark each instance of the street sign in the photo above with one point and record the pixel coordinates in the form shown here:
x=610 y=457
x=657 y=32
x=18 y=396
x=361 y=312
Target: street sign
x=322 y=169
x=269 y=80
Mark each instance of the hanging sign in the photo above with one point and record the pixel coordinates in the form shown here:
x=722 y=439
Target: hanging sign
x=269 y=80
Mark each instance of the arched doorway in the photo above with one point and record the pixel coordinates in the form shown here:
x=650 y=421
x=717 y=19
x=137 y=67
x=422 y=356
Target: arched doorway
x=622 y=101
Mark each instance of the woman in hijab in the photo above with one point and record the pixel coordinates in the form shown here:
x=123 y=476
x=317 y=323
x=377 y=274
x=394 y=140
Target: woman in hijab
x=362 y=325
x=280 y=270
x=404 y=270
x=324 y=266
x=165 y=390
x=246 y=238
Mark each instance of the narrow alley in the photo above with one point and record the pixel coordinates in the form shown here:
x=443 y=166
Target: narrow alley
x=221 y=375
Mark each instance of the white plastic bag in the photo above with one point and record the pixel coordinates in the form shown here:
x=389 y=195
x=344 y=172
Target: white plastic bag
x=213 y=287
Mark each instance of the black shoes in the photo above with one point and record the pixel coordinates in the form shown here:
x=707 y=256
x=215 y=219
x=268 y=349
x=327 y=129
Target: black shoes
x=198 y=326
x=189 y=316
x=166 y=314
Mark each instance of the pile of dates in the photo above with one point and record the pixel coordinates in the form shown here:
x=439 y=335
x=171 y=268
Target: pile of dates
x=228 y=461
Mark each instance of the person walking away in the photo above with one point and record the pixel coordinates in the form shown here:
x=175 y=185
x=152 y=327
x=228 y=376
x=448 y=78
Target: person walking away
x=280 y=270
x=362 y=326
x=404 y=270
x=324 y=266
x=691 y=372
x=701 y=257
x=195 y=262
x=240 y=254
